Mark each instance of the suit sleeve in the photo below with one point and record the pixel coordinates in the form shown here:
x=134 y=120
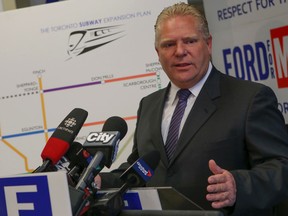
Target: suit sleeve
x=266 y=138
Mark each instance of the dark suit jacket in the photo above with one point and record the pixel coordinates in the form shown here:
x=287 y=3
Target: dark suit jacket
x=236 y=123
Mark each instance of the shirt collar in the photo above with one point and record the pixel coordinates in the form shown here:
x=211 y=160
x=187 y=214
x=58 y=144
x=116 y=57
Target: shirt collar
x=195 y=90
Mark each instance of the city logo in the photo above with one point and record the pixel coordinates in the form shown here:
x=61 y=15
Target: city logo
x=103 y=137
x=83 y=41
x=25 y=196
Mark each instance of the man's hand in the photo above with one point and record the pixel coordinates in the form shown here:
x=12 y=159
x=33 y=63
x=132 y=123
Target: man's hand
x=221 y=188
x=97 y=181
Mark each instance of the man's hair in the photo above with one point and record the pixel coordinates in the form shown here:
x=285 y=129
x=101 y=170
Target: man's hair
x=182 y=9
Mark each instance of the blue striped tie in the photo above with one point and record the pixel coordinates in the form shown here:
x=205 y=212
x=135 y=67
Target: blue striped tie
x=173 y=132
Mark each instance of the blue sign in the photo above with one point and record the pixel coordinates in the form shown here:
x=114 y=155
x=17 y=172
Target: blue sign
x=132 y=201
x=25 y=196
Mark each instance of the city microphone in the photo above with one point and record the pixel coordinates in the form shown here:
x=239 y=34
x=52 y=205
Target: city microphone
x=136 y=175
x=92 y=170
x=104 y=146
x=107 y=141
x=59 y=142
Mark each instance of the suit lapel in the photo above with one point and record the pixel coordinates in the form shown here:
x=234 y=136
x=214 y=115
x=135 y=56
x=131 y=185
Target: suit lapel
x=157 y=138
x=203 y=108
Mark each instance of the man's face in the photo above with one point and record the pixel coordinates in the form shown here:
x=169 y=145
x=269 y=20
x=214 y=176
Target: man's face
x=183 y=51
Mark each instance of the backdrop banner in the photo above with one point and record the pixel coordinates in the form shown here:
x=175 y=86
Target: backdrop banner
x=95 y=55
x=250 y=41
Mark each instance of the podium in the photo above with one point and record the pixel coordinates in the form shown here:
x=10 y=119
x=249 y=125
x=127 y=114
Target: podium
x=49 y=194
x=170 y=213
x=149 y=201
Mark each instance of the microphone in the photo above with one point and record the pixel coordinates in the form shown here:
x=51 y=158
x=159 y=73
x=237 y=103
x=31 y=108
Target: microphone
x=79 y=196
x=133 y=157
x=92 y=170
x=74 y=162
x=141 y=171
x=59 y=142
x=79 y=159
x=136 y=175
x=107 y=141
x=104 y=146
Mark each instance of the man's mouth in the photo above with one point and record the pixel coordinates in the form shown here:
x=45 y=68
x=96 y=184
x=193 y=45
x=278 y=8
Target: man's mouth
x=182 y=64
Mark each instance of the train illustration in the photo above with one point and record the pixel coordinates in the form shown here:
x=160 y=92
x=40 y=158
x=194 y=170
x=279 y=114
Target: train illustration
x=83 y=41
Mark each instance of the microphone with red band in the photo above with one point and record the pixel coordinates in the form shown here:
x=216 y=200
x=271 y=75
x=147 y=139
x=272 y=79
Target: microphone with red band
x=59 y=142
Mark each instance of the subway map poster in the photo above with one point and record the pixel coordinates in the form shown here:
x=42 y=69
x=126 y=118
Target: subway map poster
x=95 y=55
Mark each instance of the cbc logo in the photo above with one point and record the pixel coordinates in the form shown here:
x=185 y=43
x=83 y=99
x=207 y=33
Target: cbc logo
x=71 y=122
x=25 y=196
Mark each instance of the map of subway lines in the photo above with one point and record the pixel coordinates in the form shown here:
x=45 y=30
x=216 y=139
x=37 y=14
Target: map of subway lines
x=36 y=111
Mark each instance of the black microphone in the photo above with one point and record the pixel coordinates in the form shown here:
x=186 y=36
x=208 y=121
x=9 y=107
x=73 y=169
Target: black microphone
x=59 y=142
x=136 y=175
x=79 y=197
x=133 y=157
x=74 y=162
x=104 y=147
x=107 y=141
x=79 y=159
x=140 y=172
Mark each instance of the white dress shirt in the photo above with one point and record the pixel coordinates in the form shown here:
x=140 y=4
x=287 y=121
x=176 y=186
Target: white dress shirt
x=172 y=100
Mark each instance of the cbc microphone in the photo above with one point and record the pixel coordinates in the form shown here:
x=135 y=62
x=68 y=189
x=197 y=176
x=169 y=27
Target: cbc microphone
x=104 y=147
x=59 y=142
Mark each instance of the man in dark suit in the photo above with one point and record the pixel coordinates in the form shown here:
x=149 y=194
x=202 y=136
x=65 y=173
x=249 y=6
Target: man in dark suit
x=232 y=149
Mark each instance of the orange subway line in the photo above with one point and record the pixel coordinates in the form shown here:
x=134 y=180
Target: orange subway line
x=43 y=109
x=93 y=123
x=130 y=118
x=130 y=77
x=20 y=154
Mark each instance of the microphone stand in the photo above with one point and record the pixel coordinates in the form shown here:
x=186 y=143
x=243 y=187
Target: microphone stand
x=44 y=167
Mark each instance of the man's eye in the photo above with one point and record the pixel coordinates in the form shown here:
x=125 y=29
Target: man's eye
x=192 y=41
x=167 y=45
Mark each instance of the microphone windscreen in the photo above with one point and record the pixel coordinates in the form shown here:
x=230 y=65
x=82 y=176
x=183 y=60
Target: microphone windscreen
x=141 y=170
x=152 y=159
x=71 y=125
x=54 y=149
x=133 y=157
x=116 y=123
x=59 y=142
